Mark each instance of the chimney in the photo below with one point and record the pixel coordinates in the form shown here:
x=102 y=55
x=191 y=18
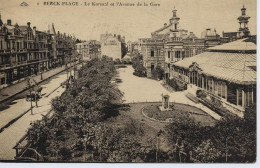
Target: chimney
x=29 y=24
x=9 y=22
x=165 y=24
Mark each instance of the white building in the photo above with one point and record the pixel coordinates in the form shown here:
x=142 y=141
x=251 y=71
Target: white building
x=111 y=46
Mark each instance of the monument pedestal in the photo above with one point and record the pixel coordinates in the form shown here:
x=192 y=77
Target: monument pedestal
x=165 y=103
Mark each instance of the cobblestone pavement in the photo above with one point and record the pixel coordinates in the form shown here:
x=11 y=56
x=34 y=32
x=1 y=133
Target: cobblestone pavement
x=14 y=132
x=137 y=89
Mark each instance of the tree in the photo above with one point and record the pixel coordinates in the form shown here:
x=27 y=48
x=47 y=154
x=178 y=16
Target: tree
x=137 y=64
x=89 y=99
x=117 y=61
x=206 y=152
x=158 y=73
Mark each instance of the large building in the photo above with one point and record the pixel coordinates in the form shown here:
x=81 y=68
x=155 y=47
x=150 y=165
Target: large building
x=89 y=50
x=225 y=74
x=113 y=46
x=171 y=43
x=25 y=51
x=132 y=47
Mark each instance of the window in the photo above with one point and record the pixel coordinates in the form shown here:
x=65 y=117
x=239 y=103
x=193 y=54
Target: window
x=152 y=66
x=175 y=26
x=239 y=95
x=209 y=85
x=169 y=54
x=8 y=45
x=177 y=54
x=249 y=96
x=152 y=53
x=18 y=45
x=158 y=52
x=223 y=91
x=219 y=89
x=2 y=81
x=187 y=53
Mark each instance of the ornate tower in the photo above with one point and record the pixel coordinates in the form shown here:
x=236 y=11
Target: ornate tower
x=1 y=22
x=174 y=21
x=243 y=22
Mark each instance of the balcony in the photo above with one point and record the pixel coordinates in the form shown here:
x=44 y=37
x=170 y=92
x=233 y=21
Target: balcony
x=22 y=63
x=175 y=59
x=4 y=66
x=8 y=51
x=174 y=39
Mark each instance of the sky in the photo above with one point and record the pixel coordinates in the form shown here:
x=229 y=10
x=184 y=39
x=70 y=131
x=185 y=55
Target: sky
x=88 y=22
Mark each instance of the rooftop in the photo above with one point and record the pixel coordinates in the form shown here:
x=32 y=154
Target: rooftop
x=238 y=45
x=238 y=68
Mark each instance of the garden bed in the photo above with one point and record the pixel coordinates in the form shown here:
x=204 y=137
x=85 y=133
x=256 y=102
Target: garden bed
x=179 y=111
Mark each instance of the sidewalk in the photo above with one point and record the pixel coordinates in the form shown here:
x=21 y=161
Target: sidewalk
x=13 y=90
x=12 y=134
x=20 y=107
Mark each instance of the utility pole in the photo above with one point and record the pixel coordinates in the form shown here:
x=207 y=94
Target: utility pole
x=35 y=95
x=226 y=143
x=226 y=151
x=41 y=75
x=157 y=146
x=29 y=84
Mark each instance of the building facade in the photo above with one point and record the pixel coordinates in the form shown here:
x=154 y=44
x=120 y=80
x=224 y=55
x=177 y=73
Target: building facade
x=173 y=44
x=113 y=46
x=89 y=50
x=25 y=51
x=225 y=75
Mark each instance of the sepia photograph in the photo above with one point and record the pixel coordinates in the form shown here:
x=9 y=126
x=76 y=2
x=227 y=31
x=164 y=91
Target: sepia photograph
x=128 y=81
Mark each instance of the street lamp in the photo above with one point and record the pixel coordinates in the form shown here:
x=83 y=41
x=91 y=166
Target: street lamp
x=29 y=84
x=41 y=75
x=157 y=139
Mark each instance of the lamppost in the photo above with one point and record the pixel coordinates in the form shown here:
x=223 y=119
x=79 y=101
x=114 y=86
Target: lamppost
x=29 y=84
x=70 y=66
x=66 y=67
x=41 y=75
x=157 y=146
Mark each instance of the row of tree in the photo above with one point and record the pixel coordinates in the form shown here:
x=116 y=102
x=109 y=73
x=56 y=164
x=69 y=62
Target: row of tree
x=89 y=100
x=78 y=131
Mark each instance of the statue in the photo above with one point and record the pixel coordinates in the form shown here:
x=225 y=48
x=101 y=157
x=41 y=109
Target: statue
x=165 y=103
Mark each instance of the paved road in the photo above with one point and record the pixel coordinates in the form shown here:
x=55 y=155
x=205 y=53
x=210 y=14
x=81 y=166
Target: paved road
x=14 y=132
x=137 y=89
